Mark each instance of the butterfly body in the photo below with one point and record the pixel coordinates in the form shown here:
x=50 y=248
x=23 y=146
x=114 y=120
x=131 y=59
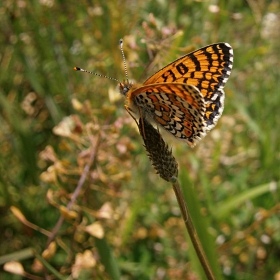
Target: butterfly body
x=186 y=97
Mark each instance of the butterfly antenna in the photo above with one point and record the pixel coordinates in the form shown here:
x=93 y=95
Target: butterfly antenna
x=123 y=58
x=96 y=74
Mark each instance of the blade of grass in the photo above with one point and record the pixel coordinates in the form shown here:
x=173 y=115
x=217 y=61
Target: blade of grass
x=50 y=267
x=107 y=258
x=20 y=255
x=231 y=204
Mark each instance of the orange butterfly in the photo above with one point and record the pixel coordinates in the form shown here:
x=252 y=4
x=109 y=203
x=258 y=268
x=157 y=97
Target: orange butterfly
x=186 y=97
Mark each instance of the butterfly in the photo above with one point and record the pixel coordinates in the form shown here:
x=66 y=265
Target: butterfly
x=186 y=97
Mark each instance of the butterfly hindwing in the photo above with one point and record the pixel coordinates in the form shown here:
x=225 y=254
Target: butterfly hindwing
x=177 y=108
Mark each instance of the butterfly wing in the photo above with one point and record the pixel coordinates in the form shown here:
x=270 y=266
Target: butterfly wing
x=177 y=108
x=207 y=69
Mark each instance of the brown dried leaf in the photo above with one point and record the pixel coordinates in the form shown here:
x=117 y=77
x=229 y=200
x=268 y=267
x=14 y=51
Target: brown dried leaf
x=49 y=176
x=14 y=267
x=50 y=251
x=37 y=266
x=83 y=261
x=48 y=154
x=67 y=214
x=95 y=230
x=65 y=127
x=105 y=212
x=76 y=104
x=18 y=214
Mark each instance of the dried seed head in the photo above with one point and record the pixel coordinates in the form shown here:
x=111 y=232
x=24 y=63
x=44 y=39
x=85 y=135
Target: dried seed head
x=158 y=152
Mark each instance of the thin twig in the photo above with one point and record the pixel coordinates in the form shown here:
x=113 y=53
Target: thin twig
x=77 y=190
x=192 y=232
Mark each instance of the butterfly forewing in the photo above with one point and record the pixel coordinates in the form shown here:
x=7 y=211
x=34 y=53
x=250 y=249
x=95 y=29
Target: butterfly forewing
x=207 y=69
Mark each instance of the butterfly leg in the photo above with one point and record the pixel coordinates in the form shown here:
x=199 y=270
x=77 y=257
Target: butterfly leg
x=142 y=122
x=141 y=119
x=128 y=111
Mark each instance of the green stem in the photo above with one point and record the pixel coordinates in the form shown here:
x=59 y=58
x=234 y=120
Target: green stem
x=192 y=232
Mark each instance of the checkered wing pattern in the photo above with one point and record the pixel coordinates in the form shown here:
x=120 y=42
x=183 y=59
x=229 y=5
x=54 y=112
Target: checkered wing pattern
x=178 y=108
x=207 y=69
x=186 y=97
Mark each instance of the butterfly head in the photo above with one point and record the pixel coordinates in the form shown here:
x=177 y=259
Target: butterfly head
x=124 y=87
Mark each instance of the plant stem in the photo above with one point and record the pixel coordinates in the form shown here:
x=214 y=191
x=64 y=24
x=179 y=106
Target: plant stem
x=192 y=232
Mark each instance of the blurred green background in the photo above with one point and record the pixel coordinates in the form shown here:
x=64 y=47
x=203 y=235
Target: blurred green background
x=126 y=222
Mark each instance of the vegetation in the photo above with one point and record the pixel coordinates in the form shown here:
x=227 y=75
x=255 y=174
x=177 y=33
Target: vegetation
x=125 y=221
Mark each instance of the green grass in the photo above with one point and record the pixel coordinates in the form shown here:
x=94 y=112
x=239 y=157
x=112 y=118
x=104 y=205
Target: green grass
x=231 y=177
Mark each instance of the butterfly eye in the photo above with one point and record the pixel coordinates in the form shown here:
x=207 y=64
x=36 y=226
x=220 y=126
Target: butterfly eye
x=124 y=88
